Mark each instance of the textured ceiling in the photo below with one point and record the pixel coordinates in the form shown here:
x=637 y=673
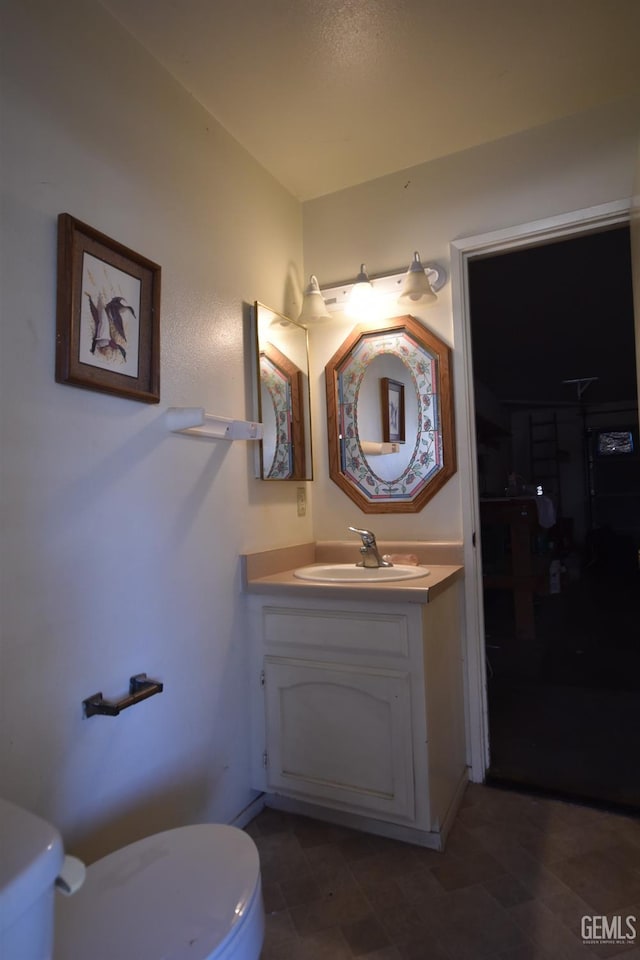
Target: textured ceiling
x=329 y=93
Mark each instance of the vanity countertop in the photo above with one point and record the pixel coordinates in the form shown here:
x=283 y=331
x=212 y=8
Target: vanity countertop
x=272 y=572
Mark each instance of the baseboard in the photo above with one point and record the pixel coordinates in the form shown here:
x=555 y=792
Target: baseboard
x=252 y=810
x=381 y=828
x=454 y=806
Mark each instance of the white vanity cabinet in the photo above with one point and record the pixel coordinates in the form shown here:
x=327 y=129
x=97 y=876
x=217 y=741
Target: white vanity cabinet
x=358 y=711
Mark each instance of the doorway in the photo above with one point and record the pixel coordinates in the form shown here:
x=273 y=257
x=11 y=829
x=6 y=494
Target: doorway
x=558 y=477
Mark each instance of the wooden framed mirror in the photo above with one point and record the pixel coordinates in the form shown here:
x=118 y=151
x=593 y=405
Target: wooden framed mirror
x=391 y=476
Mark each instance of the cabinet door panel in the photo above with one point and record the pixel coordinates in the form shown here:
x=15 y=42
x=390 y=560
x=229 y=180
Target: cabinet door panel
x=340 y=733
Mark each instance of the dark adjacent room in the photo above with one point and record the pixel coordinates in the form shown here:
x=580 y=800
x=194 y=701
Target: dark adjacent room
x=559 y=486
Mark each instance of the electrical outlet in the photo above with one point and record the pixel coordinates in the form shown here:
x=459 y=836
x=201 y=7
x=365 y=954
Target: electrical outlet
x=301 y=500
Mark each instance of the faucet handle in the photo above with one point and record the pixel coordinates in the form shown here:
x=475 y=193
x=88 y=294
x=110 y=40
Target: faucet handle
x=368 y=538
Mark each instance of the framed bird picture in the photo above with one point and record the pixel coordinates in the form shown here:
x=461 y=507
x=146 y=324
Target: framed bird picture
x=108 y=315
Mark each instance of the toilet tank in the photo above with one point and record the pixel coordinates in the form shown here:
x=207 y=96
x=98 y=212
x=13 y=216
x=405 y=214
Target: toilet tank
x=31 y=855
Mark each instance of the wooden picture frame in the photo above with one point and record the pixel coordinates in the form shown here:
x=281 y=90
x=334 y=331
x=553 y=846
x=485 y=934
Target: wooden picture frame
x=108 y=315
x=393 y=420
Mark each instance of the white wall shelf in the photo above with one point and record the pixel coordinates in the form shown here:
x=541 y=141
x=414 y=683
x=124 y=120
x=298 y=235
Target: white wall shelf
x=196 y=423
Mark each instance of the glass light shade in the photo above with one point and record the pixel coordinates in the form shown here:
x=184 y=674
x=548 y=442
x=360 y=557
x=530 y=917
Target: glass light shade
x=362 y=295
x=313 y=305
x=416 y=284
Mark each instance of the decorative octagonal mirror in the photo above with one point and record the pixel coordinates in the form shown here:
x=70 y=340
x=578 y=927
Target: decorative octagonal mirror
x=390 y=416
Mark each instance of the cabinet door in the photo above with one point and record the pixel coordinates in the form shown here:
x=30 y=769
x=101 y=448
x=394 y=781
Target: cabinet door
x=341 y=735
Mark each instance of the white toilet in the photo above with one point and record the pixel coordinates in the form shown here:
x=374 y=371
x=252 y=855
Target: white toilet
x=193 y=892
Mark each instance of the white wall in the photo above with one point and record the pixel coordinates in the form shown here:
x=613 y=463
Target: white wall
x=568 y=165
x=120 y=542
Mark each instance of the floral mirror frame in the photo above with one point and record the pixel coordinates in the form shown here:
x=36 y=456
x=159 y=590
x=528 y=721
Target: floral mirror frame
x=432 y=459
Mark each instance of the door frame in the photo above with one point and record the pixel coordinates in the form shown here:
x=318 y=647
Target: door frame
x=590 y=220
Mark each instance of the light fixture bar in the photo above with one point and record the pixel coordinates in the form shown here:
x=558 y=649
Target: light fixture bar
x=336 y=297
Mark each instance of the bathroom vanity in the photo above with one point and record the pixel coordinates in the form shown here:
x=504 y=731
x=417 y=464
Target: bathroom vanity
x=357 y=695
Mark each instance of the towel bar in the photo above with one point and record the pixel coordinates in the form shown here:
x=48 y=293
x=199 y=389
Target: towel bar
x=195 y=422
x=140 y=688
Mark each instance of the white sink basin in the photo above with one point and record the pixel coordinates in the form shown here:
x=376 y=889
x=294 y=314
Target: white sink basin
x=350 y=573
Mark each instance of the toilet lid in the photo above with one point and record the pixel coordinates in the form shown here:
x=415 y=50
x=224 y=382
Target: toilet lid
x=174 y=895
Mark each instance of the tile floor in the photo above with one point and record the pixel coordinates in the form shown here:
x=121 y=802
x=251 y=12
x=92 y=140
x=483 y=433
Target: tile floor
x=518 y=874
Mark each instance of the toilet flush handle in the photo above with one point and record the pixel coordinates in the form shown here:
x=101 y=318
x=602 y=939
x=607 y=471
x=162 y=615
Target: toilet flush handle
x=71 y=877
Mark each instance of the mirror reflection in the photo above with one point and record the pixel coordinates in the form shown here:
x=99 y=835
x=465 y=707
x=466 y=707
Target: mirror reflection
x=390 y=416
x=377 y=409
x=283 y=396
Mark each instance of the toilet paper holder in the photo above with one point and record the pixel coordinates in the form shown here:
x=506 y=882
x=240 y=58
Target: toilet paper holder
x=140 y=688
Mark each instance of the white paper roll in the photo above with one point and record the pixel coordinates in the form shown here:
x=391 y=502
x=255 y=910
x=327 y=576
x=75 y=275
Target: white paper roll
x=372 y=449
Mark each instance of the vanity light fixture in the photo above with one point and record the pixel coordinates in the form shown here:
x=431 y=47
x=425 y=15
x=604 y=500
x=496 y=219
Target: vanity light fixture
x=362 y=295
x=417 y=286
x=313 y=305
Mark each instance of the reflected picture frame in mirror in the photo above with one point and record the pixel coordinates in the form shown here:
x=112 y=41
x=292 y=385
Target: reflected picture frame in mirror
x=282 y=392
x=379 y=474
x=392 y=409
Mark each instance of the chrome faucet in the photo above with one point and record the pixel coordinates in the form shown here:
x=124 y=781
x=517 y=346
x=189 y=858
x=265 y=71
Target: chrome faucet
x=369 y=550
